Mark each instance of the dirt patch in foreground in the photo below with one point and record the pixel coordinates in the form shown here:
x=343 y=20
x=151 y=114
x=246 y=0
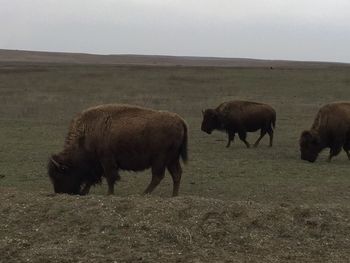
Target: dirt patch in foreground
x=36 y=227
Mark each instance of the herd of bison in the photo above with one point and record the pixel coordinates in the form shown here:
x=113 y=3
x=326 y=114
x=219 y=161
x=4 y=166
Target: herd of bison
x=105 y=139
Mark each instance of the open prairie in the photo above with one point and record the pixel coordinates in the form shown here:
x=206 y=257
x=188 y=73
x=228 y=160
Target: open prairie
x=236 y=204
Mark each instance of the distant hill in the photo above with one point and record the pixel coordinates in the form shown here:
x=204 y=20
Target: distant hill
x=82 y=58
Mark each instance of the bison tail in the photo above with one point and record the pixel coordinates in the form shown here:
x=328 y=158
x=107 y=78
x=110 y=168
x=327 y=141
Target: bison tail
x=183 y=149
x=273 y=122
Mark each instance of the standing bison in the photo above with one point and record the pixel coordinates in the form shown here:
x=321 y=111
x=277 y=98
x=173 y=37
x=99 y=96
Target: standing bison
x=240 y=117
x=108 y=138
x=331 y=128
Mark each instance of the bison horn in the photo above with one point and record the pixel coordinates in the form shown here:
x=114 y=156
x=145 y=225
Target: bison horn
x=202 y=112
x=55 y=163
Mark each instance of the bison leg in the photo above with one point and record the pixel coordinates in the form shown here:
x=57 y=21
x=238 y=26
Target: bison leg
x=270 y=132
x=157 y=176
x=175 y=171
x=242 y=137
x=347 y=153
x=346 y=148
x=86 y=189
x=231 y=137
x=111 y=178
x=262 y=134
x=110 y=173
x=333 y=152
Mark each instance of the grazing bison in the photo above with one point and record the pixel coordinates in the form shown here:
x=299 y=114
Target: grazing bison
x=108 y=138
x=240 y=117
x=331 y=128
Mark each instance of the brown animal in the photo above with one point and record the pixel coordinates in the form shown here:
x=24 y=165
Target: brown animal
x=240 y=117
x=331 y=128
x=108 y=138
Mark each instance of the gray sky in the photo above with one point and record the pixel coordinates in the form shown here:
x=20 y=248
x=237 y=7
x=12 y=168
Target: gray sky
x=270 y=29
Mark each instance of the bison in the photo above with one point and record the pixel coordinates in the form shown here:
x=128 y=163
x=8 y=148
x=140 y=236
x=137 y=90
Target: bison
x=331 y=129
x=105 y=139
x=240 y=117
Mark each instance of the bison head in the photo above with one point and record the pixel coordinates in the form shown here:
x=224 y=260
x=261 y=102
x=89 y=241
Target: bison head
x=68 y=174
x=309 y=146
x=63 y=175
x=210 y=121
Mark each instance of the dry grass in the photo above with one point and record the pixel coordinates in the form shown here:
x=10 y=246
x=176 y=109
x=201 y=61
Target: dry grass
x=37 y=228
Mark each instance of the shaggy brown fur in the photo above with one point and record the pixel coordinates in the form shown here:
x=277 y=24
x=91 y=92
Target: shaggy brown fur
x=108 y=138
x=331 y=128
x=240 y=117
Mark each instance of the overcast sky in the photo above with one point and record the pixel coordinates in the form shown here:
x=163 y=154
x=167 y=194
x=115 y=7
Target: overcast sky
x=270 y=29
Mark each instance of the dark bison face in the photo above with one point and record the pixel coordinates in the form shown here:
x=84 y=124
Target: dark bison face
x=63 y=176
x=309 y=146
x=210 y=121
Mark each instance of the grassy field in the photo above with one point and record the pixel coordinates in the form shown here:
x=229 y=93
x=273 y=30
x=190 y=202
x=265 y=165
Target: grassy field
x=38 y=101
